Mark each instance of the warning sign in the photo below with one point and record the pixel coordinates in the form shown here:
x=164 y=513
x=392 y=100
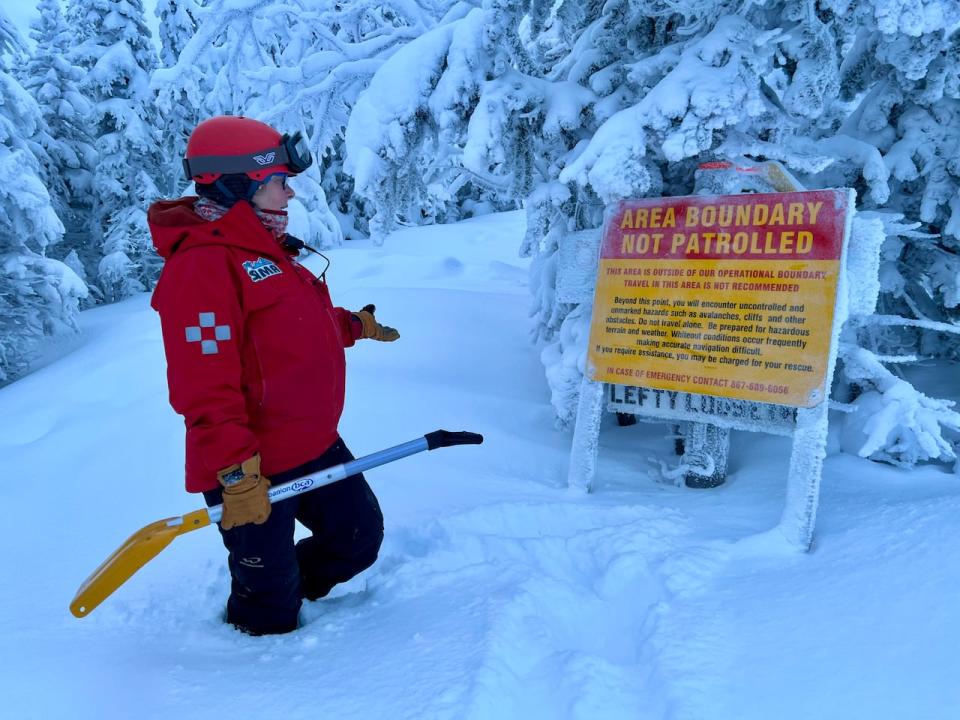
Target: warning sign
x=731 y=296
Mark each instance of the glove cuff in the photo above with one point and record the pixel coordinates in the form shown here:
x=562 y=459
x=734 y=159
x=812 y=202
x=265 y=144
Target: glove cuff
x=370 y=325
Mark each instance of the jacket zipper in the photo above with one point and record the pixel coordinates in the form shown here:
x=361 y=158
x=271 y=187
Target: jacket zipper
x=314 y=293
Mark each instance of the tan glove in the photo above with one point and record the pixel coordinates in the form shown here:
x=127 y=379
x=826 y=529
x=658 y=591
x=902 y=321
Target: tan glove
x=372 y=329
x=244 y=494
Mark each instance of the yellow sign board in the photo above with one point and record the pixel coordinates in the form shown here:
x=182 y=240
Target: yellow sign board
x=731 y=296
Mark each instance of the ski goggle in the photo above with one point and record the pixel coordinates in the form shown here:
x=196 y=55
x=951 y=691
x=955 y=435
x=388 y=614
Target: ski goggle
x=297 y=153
x=292 y=152
x=283 y=179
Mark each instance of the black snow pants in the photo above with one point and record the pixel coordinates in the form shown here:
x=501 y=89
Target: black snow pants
x=271 y=575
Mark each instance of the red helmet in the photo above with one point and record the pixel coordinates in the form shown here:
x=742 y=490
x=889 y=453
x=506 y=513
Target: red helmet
x=230 y=144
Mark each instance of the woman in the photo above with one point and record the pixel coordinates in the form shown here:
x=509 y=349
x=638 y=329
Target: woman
x=255 y=364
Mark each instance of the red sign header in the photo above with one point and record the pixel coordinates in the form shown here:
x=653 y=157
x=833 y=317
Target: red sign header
x=782 y=226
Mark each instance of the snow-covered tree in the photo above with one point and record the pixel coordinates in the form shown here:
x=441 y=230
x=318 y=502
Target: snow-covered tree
x=896 y=138
x=567 y=106
x=225 y=69
x=299 y=65
x=80 y=21
x=38 y=295
x=404 y=141
x=120 y=56
x=62 y=144
x=179 y=110
x=39 y=77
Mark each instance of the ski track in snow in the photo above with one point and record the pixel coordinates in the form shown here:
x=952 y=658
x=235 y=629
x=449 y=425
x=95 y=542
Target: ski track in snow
x=498 y=593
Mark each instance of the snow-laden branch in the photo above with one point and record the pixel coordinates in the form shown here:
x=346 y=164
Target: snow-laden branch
x=895 y=422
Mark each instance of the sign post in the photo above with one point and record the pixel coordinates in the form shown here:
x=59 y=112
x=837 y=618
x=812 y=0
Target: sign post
x=733 y=297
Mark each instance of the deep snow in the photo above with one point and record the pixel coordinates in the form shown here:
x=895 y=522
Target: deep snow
x=499 y=592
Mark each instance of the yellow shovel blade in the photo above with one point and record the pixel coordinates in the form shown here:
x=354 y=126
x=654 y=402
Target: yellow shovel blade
x=139 y=549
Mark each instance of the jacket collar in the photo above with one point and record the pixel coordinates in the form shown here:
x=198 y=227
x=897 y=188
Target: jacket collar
x=175 y=227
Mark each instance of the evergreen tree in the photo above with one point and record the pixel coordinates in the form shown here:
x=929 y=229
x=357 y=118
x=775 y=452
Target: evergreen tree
x=897 y=141
x=571 y=105
x=62 y=143
x=120 y=57
x=299 y=66
x=179 y=104
x=38 y=76
x=361 y=38
x=81 y=22
x=406 y=136
x=227 y=67
x=38 y=295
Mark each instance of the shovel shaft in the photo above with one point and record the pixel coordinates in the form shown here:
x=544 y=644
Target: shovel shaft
x=333 y=474
x=148 y=542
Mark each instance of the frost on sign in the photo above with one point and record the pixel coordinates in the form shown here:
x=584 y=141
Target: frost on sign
x=726 y=295
x=672 y=405
x=577 y=266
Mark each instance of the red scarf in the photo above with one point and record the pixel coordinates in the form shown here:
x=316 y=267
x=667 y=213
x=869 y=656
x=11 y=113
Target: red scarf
x=273 y=220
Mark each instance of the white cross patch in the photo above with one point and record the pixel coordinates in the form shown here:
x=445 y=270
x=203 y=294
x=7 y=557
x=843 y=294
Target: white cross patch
x=220 y=333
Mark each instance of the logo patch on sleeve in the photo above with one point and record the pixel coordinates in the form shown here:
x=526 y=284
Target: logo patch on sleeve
x=261 y=269
x=214 y=335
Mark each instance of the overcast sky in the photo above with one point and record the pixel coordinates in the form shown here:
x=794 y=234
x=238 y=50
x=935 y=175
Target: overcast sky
x=21 y=12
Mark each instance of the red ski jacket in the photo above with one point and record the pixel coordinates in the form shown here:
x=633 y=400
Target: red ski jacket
x=254 y=346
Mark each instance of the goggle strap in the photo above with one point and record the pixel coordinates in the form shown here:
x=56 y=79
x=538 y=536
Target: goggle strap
x=221 y=186
x=231 y=164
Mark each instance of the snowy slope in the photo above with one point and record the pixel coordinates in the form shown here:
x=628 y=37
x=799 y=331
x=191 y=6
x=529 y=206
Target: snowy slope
x=499 y=593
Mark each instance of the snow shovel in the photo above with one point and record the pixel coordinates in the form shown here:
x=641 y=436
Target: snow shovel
x=145 y=544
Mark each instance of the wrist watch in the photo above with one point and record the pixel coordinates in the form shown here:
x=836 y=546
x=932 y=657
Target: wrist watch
x=233 y=477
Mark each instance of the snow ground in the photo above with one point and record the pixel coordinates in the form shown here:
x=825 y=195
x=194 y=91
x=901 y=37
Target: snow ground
x=499 y=593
